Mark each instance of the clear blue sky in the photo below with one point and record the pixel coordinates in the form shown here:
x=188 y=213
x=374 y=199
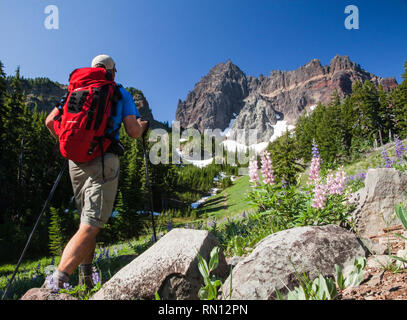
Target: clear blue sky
x=164 y=47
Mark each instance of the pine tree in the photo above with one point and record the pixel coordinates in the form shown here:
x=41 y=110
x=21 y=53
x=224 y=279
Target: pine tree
x=329 y=133
x=366 y=100
x=404 y=75
x=3 y=119
x=349 y=117
x=284 y=155
x=55 y=231
x=386 y=115
x=13 y=132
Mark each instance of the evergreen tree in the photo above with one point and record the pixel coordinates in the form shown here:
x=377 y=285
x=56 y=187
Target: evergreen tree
x=3 y=119
x=284 y=155
x=56 y=238
x=366 y=100
x=329 y=133
x=398 y=103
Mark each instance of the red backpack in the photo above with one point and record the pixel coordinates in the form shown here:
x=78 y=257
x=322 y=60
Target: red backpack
x=84 y=116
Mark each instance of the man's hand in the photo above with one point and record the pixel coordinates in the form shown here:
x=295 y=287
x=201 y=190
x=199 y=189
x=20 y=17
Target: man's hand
x=135 y=128
x=145 y=125
x=49 y=122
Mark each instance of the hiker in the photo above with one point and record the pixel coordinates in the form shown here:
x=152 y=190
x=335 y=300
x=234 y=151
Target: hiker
x=94 y=182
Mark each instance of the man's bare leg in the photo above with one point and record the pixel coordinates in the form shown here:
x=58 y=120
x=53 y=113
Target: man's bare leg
x=80 y=249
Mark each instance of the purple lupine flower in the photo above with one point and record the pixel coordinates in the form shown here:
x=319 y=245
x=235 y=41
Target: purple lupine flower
x=267 y=168
x=387 y=160
x=107 y=253
x=315 y=151
x=169 y=226
x=244 y=214
x=95 y=278
x=153 y=239
x=67 y=286
x=38 y=266
x=315 y=165
x=253 y=172
x=362 y=176
x=210 y=222
x=52 y=260
x=51 y=283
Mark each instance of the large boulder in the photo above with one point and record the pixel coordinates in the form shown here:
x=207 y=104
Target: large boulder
x=169 y=267
x=384 y=187
x=276 y=259
x=45 y=294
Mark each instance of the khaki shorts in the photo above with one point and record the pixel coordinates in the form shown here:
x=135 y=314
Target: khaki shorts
x=95 y=198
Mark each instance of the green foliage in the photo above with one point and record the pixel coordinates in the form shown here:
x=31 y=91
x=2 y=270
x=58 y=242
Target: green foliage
x=236 y=246
x=401 y=213
x=325 y=288
x=226 y=182
x=56 y=239
x=210 y=290
x=319 y=289
x=284 y=155
x=355 y=277
x=289 y=206
x=80 y=291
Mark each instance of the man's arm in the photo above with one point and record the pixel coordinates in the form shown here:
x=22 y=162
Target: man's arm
x=134 y=126
x=49 y=122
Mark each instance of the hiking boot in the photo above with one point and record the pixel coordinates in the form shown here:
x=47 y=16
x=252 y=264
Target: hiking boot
x=87 y=281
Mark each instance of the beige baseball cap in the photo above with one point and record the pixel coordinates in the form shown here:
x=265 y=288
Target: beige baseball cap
x=105 y=60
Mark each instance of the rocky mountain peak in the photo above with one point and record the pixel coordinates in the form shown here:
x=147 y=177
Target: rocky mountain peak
x=214 y=99
x=341 y=63
x=225 y=93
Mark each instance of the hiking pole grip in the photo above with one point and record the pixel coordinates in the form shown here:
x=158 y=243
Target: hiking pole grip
x=35 y=227
x=147 y=128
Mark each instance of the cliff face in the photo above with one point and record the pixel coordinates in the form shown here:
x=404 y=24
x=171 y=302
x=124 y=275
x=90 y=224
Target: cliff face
x=258 y=103
x=214 y=99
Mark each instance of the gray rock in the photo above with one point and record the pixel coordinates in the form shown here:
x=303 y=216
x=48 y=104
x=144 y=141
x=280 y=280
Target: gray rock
x=215 y=99
x=257 y=114
x=379 y=261
x=373 y=247
x=273 y=262
x=375 y=206
x=169 y=267
x=234 y=261
x=45 y=294
x=402 y=253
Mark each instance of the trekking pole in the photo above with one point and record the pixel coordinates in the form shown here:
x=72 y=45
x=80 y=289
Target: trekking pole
x=35 y=227
x=149 y=186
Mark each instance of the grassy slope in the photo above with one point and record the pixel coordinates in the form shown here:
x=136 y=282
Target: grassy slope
x=229 y=202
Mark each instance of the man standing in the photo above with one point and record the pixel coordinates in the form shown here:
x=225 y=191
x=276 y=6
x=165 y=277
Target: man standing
x=95 y=185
